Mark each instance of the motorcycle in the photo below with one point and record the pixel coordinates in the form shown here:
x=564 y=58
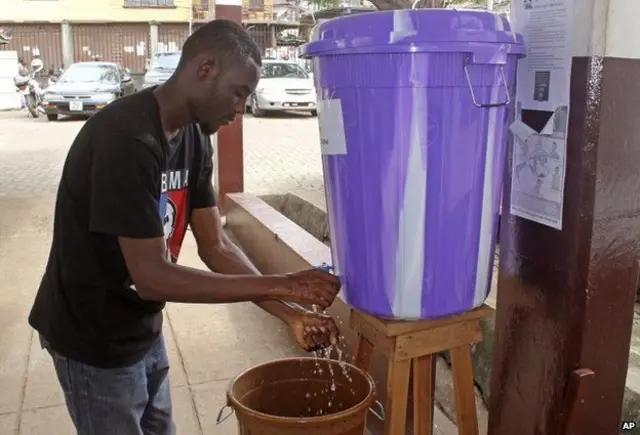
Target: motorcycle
x=32 y=93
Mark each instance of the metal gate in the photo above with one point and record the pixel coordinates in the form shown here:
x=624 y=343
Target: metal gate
x=126 y=44
x=171 y=37
x=30 y=40
x=261 y=35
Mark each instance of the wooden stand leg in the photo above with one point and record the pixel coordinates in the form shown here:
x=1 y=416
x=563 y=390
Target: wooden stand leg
x=397 y=397
x=364 y=353
x=576 y=401
x=462 y=371
x=423 y=390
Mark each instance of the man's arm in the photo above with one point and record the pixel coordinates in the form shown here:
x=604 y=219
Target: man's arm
x=218 y=252
x=125 y=184
x=156 y=278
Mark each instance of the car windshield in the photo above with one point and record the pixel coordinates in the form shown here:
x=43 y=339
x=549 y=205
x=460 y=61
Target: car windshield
x=281 y=70
x=165 y=61
x=88 y=73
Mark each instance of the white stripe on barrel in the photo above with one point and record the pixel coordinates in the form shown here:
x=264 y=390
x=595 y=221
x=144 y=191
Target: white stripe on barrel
x=487 y=215
x=410 y=255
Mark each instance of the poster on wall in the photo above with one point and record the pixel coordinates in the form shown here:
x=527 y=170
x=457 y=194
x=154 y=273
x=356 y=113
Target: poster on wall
x=543 y=85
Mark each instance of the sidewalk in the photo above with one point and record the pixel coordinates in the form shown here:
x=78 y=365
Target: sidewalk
x=208 y=345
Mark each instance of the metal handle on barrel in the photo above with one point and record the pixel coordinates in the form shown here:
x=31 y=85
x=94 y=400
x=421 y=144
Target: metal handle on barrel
x=380 y=413
x=220 y=419
x=473 y=95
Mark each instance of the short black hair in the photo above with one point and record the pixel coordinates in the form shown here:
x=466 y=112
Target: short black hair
x=227 y=39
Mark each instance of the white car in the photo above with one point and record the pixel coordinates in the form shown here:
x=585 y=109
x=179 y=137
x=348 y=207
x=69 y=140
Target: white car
x=283 y=85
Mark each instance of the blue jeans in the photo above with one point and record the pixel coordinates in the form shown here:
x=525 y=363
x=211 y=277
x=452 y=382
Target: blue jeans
x=133 y=400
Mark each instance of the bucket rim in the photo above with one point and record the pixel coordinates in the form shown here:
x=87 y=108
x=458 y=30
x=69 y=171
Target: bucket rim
x=365 y=403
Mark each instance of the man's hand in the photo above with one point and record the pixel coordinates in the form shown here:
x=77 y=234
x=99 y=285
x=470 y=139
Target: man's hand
x=313 y=331
x=310 y=287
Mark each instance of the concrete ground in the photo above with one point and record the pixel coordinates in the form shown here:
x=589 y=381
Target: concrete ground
x=208 y=345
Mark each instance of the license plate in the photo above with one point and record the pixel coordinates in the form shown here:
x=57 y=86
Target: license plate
x=75 y=106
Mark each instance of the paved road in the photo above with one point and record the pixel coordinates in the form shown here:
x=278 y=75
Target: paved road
x=281 y=154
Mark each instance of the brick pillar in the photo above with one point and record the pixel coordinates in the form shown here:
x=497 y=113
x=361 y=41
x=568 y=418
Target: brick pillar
x=566 y=297
x=229 y=147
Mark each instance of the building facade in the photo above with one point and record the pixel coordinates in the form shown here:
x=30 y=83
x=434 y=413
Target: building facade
x=271 y=22
x=128 y=32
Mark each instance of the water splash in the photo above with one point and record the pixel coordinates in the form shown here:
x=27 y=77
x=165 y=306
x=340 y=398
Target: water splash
x=327 y=355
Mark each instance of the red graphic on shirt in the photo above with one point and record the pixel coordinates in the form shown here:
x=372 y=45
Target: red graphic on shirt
x=175 y=222
x=173 y=210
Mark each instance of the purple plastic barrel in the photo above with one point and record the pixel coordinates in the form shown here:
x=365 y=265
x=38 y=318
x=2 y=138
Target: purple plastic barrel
x=414 y=107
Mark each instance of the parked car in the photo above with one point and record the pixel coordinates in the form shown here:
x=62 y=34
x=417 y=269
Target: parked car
x=85 y=88
x=161 y=67
x=284 y=85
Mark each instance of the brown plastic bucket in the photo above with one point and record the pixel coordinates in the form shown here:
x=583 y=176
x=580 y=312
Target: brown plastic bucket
x=296 y=396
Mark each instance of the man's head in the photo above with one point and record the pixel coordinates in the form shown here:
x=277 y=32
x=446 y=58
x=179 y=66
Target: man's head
x=21 y=61
x=219 y=69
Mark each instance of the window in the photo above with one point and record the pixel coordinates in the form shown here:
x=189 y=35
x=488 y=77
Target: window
x=273 y=70
x=149 y=3
x=90 y=73
x=256 y=4
x=165 y=61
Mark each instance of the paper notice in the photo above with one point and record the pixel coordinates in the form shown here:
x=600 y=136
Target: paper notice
x=141 y=49
x=544 y=74
x=331 y=123
x=543 y=84
x=539 y=168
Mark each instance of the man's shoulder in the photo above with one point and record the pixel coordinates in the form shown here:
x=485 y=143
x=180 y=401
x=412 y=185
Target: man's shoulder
x=135 y=111
x=132 y=117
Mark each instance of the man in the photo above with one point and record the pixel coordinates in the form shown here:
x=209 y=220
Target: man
x=136 y=175
x=23 y=71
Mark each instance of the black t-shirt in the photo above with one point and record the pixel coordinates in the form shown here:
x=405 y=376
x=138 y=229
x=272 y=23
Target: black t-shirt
x=122 y=177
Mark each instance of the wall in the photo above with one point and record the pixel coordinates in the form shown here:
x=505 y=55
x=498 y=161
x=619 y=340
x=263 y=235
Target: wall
x=9 y=98
x=90 y=10
x=42 y=39
x=257 y=10
x=129 y=44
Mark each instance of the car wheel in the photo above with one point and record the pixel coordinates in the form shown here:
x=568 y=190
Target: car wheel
x=255 y=110
x=52 y=117
x=314 y=113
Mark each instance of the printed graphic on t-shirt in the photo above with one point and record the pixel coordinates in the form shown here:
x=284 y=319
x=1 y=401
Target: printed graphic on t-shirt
x=173 y=209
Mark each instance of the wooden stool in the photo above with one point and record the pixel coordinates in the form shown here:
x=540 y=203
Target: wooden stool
x=416 y=343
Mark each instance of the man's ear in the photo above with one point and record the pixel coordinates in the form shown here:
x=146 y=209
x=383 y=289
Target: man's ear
x=208 y=67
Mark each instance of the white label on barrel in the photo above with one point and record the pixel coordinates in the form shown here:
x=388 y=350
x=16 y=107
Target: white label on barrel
x=331 y=122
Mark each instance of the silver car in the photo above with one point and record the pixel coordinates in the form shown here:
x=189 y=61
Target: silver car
x=283 y=85
x=161 y=67
x=85 y=88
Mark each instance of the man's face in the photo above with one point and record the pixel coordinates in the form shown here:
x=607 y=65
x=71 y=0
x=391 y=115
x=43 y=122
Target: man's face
x=221 y=92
